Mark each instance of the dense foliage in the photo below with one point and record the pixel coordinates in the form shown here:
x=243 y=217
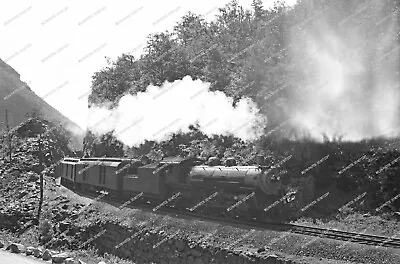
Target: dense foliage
x=242 y=52
x=37 y=138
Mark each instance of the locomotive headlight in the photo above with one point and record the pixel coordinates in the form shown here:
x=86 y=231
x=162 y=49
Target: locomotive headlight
x=270 y=181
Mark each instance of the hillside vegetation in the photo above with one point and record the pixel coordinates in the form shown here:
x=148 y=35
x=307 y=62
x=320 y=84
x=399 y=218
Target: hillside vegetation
x=251 y=53
x=247 y=53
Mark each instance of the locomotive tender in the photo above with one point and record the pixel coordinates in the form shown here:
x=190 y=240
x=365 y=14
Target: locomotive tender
x=256 y=186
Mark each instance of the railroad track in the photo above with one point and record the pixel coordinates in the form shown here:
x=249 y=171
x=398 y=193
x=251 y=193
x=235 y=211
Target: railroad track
x=360 y=238
x=347 y=237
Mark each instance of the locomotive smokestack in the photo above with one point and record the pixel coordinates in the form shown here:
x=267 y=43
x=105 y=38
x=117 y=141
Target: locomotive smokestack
x=260 y=160
x=214 y=161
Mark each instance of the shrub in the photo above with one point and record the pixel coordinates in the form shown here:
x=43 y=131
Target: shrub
x=45 y=228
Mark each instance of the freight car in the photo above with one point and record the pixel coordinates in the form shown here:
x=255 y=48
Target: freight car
x=193 y=185
x=68 y=171
x=106 y=174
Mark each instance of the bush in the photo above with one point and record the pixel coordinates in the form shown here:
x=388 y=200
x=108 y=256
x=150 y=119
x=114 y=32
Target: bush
x=45 y=228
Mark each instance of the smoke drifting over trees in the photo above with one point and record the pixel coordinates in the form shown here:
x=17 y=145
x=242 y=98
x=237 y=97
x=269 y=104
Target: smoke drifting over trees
x=321 y=69
x=349 y=71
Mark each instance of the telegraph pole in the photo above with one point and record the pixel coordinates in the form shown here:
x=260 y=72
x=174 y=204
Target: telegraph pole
x=41 y=177
x=8 y=135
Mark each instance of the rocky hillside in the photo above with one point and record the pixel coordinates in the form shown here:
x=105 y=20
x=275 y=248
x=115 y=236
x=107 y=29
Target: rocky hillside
x=20 y=100
x=19 y=177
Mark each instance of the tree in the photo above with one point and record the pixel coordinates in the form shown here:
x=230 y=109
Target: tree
x=106 y=145
x=110 y=83
x=190 y=29
x=258 y=9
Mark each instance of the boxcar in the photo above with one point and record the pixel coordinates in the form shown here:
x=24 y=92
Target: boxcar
x=69 y=171
x=144 y=180
x=104 y=173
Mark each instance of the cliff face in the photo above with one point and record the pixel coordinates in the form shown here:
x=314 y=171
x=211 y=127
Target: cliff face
x=17 y=97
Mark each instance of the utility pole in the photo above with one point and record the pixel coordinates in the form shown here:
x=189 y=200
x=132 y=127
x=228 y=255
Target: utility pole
x=9 y=136
x=41 y=177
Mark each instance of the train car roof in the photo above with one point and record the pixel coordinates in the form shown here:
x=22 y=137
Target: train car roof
x=68 y=160
x=100 y=162
x=110 y=162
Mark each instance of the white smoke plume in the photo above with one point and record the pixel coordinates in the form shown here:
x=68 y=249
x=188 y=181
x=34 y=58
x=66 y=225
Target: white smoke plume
x=350 y=88
x=161 y=111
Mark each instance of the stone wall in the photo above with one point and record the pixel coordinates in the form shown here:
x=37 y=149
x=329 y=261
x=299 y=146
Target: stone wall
x=150 y=245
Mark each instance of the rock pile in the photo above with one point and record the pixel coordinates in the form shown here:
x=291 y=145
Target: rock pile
x=45 y=254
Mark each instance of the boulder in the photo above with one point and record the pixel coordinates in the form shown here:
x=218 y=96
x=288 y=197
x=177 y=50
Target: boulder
x=59 y=258
x=1 y=244
x=37 y=252
x=260 y=250
x=63 y=225
x=17 y=248
x=46 y=255
x=32 y=177
x=29 y=251
x=61 y=215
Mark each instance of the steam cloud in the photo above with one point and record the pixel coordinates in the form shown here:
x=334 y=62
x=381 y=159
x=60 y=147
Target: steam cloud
x=350 y=88
x=161 y=111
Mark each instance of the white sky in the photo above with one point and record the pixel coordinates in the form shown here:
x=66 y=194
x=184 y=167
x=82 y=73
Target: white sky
x=56 y=46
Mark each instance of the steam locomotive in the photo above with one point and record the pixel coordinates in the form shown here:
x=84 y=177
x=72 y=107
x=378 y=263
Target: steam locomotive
x=257 y=190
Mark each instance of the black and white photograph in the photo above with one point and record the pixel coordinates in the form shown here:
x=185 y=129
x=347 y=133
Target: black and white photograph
x=200 y=132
